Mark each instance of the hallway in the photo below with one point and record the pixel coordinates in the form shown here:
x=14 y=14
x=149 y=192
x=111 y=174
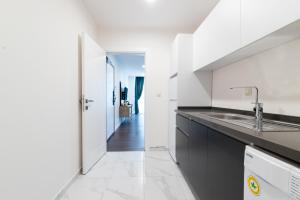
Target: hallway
x=131 y=176
x=129 y=136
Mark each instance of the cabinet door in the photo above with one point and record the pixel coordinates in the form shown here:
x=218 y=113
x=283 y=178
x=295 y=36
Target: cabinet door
x=182 y=152
x=225 y=167
x=260 y=18
x=183 y=123
x=219 y=34
x=198 y=158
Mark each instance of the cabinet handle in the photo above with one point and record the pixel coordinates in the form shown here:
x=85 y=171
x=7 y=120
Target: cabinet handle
x=184 y=133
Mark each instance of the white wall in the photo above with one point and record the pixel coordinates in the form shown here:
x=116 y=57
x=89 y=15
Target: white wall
x=158 y=47
x=125 y=72
x=39 y=92
x=276 y=73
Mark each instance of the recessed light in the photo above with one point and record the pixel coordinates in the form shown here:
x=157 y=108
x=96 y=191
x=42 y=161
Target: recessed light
x=143 y=66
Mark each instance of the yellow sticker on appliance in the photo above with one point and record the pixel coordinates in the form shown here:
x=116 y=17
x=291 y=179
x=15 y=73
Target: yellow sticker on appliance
x=254 y=186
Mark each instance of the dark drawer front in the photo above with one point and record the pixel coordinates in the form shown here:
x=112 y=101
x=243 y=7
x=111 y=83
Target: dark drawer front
x=183 y=123
x=182 y=151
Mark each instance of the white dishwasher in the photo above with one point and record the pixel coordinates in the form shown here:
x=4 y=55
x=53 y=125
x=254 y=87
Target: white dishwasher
x=269 y=178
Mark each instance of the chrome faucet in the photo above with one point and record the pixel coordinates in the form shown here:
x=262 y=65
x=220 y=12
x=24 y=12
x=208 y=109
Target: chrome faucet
x=258 y=109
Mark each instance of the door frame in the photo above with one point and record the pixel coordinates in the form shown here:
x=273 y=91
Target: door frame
x=146 y=54
x=114 y=84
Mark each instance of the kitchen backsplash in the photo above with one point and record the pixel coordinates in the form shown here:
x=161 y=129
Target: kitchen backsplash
x=275 y=72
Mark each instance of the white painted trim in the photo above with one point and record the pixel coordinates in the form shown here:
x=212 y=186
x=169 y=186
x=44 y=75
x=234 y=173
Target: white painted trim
x=65 y=187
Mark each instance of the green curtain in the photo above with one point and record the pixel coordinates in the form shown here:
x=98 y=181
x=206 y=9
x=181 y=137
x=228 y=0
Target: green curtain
x=139 y=85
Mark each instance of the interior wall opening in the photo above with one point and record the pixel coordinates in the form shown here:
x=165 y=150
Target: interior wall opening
x=125 y=101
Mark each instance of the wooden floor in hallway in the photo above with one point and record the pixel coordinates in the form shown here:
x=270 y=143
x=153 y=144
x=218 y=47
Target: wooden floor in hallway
x=129 y=136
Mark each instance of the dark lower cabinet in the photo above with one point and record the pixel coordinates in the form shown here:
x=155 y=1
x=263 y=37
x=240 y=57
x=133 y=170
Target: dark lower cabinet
x=225 y=167
x=182 y=155
x=212 y=162
x=198 y=159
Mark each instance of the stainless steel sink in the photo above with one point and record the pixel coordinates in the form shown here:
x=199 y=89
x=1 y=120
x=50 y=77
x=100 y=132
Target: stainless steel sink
x=250 y=122
x=269 y=125
x=228 y=116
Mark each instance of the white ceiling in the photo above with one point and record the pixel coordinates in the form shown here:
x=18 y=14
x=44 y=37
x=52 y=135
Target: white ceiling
x=178 y=15
x=129 y=60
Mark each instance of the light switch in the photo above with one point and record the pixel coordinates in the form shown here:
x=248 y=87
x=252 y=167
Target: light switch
x=248 y=92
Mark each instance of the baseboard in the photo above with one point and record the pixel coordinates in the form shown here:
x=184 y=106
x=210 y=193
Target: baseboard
x=110 y=136
x=158 y=148
x=66 y=186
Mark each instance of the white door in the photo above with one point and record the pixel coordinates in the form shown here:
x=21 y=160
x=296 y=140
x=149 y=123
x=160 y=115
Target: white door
x=93 y=103
x=110 y=100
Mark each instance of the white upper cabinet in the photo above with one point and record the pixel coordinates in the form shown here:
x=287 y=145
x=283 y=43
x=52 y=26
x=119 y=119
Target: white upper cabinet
x=237 y=29
x=260 y=18
x=219 y=34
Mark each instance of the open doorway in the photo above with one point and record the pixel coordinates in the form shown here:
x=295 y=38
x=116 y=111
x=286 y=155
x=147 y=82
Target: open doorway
x=125 y=101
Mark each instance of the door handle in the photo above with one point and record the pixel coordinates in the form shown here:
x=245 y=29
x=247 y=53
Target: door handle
x=84 y=103
x=89 y=101
x=86 y=107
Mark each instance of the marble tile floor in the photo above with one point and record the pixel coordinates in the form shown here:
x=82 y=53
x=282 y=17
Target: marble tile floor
x=150 y=175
